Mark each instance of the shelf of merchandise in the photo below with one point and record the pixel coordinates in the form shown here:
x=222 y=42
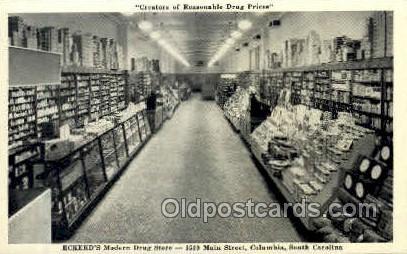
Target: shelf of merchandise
x=67 y=100
x=47 y=109
x=81 y=177
x=364 y=88
x=22 y=115
x=143 y=85
x=96 y=96
x=82 y=98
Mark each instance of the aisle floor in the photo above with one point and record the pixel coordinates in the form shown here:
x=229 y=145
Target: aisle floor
x=196 y=154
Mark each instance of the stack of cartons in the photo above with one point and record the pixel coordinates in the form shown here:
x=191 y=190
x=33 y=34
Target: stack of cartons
x=313 y=47
x=96 y=52
x=83 y=44
x=48 y=39
x=87 y=50
x=104 y=52
x=16 y=31
x=326 y=55
x=64 y=41
x=382 y=34
x=31 y=37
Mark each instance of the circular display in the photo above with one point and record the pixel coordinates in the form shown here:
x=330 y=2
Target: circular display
x=376 y=172
x=348 y=182
x=360 y=190
x=364 y=165
x=385 y=153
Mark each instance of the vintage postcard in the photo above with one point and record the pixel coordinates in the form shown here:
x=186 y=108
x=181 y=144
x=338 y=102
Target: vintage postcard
x=203 y=127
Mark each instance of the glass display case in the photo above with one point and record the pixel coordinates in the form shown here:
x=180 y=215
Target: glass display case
x=92 y=158
x=109 y=154
x=132 y=135
x=120 y=143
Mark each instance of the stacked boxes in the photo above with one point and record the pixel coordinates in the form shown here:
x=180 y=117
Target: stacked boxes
x=16 y=31
x=382 y=34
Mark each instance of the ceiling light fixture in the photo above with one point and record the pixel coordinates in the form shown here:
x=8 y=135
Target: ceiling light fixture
x=145 y=26
x=155 y=35
x=245 y=25
x=230 y=41
x=236 y=34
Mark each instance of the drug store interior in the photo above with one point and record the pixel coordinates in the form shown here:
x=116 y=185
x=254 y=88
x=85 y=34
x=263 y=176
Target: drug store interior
x=111 y=113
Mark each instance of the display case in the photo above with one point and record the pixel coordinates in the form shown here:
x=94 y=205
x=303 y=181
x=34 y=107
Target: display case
x=133 y=138
x=94 y=167
x=109 y=154
x=21 y=115
x=81 y=176
x=121 y=147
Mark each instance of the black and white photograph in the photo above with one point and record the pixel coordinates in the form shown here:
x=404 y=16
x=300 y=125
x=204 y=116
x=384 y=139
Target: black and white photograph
x=200 y=127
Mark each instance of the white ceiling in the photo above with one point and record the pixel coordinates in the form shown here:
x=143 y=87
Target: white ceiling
x=197 y=36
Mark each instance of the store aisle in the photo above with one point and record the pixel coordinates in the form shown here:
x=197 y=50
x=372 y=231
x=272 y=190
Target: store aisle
x=195 y=155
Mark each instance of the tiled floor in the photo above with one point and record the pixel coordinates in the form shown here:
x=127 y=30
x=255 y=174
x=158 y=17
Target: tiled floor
x=195 y=155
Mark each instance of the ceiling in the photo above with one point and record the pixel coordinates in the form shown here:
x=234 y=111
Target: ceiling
x=197 y=36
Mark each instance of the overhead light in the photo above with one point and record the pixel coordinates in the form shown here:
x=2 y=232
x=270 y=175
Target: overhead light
x=161 y=42
x=230 y=41
x=245 y=24
x=155 y=35
x=145 y=26
x=174 y=53
x=236 y=34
